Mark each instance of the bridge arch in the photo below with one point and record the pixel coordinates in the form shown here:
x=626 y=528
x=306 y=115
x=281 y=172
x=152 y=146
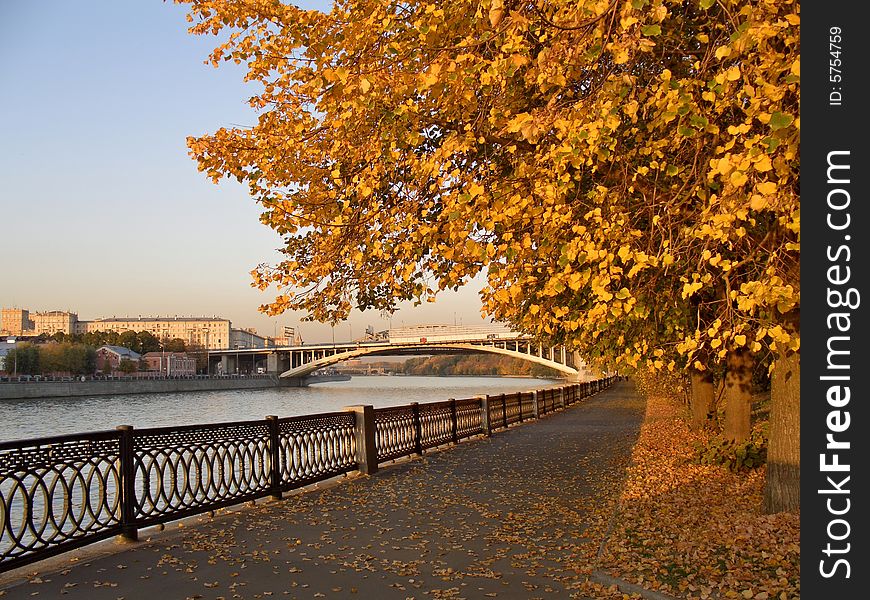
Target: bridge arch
x=310 y=367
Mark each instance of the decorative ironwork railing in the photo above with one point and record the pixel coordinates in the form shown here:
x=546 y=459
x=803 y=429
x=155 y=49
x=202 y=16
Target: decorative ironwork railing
x=547 y=402
x=468 y=418
x=180 y=471
x=60 y=493
x=395 y=432
x=437 y=423
x=315 y=447
x=527 y=406
x=513 y=409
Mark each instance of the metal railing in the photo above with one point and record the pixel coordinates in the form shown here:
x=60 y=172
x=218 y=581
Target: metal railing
x=60 y=493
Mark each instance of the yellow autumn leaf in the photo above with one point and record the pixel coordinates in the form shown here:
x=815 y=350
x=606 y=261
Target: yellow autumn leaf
x=766 y=187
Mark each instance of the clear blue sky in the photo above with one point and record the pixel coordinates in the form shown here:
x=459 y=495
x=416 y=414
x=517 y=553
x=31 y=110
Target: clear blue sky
x=102 y=211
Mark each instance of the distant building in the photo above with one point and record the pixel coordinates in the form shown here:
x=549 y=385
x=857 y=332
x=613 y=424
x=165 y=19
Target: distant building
x=436 y=333
x=170 y=363
x=212 y=333
x=54 y=321
x=15 y=321
x=113 y=355
x=289 y=339
x=247 y=338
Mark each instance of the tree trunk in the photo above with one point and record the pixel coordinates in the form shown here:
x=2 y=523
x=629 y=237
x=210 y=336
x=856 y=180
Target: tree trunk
x=702 y=398
x=738 y=395
x=782 y=487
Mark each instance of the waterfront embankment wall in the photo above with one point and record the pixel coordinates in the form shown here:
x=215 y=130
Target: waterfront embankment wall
x=102 y=387
x=55 y=389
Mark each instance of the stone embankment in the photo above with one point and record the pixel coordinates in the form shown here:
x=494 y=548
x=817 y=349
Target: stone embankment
x=99 y=387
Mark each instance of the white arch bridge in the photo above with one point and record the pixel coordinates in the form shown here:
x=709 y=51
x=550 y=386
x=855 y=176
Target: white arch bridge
x=294 y=363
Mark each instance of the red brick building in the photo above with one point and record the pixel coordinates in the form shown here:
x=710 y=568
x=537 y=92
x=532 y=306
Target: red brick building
x=170 y=363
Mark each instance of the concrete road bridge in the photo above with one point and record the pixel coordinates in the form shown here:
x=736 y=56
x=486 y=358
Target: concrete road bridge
x=294 y=363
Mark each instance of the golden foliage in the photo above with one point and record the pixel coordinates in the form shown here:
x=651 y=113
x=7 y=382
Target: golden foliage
x=624 y=171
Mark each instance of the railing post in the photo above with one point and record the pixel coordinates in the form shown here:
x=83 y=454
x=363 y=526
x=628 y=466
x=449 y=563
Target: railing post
x=484 y=416
x=504 y=411
x=520 y=403
x=274 y=457
x=128 y=485
x=454 y=425
x=535 y=413
x=364 y=438
x=418 y=429
x=561 y=398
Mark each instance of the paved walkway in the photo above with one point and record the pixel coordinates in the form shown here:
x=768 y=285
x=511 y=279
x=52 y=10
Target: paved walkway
x=503 y=517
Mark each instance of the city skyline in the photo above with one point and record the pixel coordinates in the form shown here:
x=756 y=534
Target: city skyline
x=104 y=213
x=33 y=322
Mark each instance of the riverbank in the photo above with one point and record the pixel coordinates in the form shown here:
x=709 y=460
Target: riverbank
x=105 y=387
x=450 y=524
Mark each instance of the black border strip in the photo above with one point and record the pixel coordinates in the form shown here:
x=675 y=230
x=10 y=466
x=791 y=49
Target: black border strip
x=834 y=244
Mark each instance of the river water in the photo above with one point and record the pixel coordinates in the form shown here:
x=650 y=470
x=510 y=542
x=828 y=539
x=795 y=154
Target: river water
x=31 y=418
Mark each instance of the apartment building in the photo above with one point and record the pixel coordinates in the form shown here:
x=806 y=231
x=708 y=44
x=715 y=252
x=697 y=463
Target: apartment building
x=209 y=332
x=15 y=321
x=213 y=333
x=54 y=321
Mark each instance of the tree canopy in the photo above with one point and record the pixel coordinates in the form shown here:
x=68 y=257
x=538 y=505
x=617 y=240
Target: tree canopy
x=624 y=172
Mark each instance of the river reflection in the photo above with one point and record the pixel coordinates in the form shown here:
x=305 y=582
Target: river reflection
x=23 y=419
